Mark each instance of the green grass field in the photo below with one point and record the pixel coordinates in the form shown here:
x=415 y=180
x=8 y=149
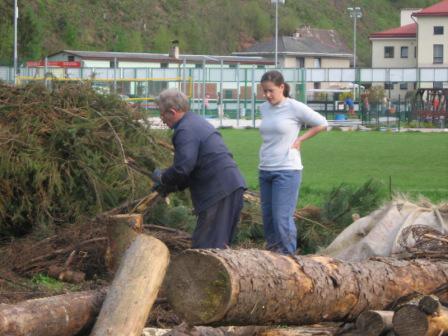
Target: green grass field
x=415 y=163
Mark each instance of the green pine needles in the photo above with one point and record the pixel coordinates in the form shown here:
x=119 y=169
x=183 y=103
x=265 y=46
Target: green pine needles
x=62 y=155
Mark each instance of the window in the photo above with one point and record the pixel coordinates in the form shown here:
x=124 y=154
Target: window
x=300 y=61
x=71 y=58
x=112 y=64
x=198 y=65
x=228 y=94
x=261 y=66
x=437 y=85
x=164 y=65
x=388 y=52
x=388 y=86
x=404 y=52
x=438 y=54
x=415 y=52
x=317 y=62
x=233 y=66
x=403 y=86
x=316 y=85
x=438 y=30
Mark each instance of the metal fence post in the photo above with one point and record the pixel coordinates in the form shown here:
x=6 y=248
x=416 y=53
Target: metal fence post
x=204 y=74
x=193 y=91
x=302 y=86
x=238 y=95
x=254 y=92
x=221 y=105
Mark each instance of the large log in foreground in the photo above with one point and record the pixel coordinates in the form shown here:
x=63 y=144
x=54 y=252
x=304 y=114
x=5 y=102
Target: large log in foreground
x=260 y=287
x=62 y=315
x=134 y=289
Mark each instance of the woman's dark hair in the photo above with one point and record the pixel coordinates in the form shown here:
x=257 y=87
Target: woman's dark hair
x=276 y=77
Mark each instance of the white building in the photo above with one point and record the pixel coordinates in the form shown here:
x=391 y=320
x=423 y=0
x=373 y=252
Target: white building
x=421 y=41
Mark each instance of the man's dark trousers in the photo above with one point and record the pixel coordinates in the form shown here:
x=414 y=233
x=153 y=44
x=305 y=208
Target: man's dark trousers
x=216 y=225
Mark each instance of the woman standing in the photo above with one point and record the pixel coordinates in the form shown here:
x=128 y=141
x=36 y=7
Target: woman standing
x=280 y=163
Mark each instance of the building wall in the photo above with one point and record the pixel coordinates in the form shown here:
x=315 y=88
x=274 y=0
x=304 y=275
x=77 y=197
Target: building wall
x=309 y=62
x=379 y=61
x=426 y=40
x=335 y=63
x=289 y=62
x=130 y=64
x=405 y=15
x=61 y=57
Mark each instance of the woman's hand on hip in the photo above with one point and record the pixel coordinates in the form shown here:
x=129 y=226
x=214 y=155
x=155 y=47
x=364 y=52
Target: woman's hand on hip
x=297 y=144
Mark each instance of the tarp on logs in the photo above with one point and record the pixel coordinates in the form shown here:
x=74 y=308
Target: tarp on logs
x=389 y=230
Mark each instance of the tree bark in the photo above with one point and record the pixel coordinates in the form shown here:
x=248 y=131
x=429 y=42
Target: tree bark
x=62 y=315
x=134 y=289
x=260 y=287
x=121 y=232
x=374 y=322
x=412 y=320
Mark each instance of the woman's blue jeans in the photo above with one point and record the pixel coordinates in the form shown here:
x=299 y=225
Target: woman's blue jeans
x=279 y=193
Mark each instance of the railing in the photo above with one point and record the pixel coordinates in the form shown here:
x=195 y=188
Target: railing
x=362 y=75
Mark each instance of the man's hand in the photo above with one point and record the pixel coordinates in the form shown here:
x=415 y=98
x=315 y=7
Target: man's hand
x=156 y=176
x=161 y=188
x=165 y=190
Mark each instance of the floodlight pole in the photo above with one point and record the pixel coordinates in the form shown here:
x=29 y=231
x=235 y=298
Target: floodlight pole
x=355 y=13
x=276 y=34
x=15 y=62
x=276 y=29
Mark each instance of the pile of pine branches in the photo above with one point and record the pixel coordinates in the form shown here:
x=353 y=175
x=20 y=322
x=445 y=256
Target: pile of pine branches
x=63 y=153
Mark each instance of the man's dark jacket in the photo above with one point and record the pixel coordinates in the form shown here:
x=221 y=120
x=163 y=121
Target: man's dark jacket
x=202 y=162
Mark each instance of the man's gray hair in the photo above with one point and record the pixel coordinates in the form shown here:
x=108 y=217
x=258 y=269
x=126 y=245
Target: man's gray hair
x=172 y=98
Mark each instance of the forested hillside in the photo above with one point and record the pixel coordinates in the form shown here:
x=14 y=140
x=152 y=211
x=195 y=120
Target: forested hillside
x=201 y=26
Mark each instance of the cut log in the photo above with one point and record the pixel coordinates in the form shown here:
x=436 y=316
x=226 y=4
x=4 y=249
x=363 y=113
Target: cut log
x=374 y=322
x=412 y=320
x=430 y=305
x=121 y=232
x=134 y=289
x=254 y=287
x=62 y=315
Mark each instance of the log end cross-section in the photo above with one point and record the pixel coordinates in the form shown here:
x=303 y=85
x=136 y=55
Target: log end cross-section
x=199 y=298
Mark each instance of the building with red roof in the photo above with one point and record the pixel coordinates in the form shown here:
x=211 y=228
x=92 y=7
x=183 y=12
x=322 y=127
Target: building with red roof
x=421 y=41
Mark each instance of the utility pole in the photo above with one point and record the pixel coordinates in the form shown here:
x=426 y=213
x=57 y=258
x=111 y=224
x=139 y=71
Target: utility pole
x=16 y=16
x=276 y=28
x=355 y=13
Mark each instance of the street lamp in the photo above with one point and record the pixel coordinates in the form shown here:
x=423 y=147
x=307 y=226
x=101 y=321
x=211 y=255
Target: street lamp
x=16 y=16
x=276 y=2
x=355 y=13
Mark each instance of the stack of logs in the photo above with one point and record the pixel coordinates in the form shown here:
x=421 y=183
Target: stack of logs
x=423 y=317
x=241 y=287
